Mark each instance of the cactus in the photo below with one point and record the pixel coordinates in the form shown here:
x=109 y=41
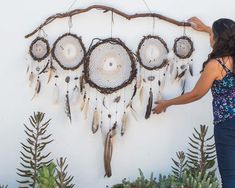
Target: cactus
x=46 y=177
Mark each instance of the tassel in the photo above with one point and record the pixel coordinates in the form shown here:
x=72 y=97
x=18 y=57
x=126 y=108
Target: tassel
x=31 y=78
x=150 y=104
x=124 y=123
x=56 y=94
x=108 y=150
x=37 y=89
x=95 y=121
x=67 y=106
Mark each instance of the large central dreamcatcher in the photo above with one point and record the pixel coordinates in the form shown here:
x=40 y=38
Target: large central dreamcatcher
x=105 y=78
x=110 y=68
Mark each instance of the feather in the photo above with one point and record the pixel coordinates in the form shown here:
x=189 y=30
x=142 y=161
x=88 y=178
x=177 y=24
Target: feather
x=95 y=121
x=124 y=123
x=44 y=69
x=31 y=78
x=103 y=102
x=159 y=96
x=67 y=106
x=83 y=102
x=86 y=108
x=52 y=69
x=75 y=94
x=56 y=94
x=150 y=104
x=141 y=94
x=81 y=81
x=191 y=69
x=117 y=99
x=163 y=82
x=181 y=74
x=183 y=82
x=132 y=110
x=134 y=92
x=171 y=67
x=108 y=150
x=37 y=89
x=27 y=70
x=139 y=82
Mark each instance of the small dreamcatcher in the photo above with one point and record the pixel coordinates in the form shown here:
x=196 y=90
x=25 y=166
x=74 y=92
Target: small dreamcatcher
x=152 y=56
x=181 y=61
x=68 y=53
x=110 y=68
x=39 y=52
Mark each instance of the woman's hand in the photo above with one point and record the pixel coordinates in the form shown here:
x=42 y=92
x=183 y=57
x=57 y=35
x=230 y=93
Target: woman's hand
x=161 y=106
x=198 y=25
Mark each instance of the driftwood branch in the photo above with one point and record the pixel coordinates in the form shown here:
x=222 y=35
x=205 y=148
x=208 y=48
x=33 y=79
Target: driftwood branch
x=105 y=9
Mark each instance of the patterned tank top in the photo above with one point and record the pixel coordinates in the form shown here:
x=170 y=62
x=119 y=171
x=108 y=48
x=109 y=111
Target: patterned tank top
x=223 y=92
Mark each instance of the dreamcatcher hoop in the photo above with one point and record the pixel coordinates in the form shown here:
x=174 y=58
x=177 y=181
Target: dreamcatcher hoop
x=76 y=47
x=39 y=49
x=183 y=47
x=163 y=47
x=112 y=43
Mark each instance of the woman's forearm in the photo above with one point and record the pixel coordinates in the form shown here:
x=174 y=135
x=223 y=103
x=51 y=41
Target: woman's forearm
x=184 y=99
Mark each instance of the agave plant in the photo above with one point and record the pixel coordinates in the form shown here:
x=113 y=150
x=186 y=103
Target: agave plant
x=33 y=156
x=63 y=180
x=201 y=156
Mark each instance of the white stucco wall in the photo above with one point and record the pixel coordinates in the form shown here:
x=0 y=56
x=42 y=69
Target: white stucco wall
x=148 y=145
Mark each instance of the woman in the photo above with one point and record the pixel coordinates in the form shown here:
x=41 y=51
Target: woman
x=218 y=75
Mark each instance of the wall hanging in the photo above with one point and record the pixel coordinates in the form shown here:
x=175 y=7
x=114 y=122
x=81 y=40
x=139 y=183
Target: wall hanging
x=106 y=77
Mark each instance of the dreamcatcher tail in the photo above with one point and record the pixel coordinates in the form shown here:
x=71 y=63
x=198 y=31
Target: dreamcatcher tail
x=183 y=83
x=124 y=123
x=95 y=121
x=108 y=150
x=150 y=104
x=37 y=89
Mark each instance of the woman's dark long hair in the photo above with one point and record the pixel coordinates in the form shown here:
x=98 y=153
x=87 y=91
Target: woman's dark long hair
x=224 y=41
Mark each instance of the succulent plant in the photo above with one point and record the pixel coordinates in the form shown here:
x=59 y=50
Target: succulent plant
x=33 y=156
x=46 y=177
x=201 y=156
x=63 y=180
x=200 y=180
